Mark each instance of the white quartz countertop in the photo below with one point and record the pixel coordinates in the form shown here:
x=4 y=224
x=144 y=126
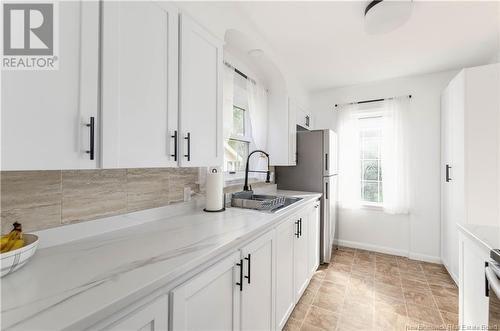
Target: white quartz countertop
x=75 y=284
x=488 y=236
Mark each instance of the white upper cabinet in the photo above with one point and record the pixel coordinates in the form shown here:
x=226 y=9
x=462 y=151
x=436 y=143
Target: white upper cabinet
x=139 y=84
x=200 y=97
x=45 y=113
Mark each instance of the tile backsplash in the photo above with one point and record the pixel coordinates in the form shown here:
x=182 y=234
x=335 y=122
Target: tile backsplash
x=46 y=199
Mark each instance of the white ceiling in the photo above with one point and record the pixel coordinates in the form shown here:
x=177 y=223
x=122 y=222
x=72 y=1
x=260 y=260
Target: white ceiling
x=325 y=45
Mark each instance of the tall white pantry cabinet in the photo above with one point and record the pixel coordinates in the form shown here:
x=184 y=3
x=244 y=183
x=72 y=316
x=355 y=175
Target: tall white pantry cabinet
x=470 y=123
x=138 y=85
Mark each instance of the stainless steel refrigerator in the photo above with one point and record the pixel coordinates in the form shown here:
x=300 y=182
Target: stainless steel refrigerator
x=316 y=171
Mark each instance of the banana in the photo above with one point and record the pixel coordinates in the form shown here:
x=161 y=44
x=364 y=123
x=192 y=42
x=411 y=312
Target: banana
x=13 y=240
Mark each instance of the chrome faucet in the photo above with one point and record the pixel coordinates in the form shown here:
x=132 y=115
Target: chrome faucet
x=246 y=187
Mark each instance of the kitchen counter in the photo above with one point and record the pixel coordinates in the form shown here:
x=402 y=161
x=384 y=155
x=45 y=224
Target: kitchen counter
x=487 y=236
x=76 y=284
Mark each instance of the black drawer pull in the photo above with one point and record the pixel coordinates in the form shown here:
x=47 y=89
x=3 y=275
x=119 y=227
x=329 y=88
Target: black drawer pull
x=297 y=234
x=249 y=259
x=175 y=145
x=240 y=283
x=188 y=138
x=300 y=227
x=448 y=167
x=91 y=126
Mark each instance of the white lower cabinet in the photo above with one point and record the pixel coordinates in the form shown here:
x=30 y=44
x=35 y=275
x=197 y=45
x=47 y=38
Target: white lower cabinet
x=257 y=299
x=151 y=317
x=473 y=303
x=211 y=300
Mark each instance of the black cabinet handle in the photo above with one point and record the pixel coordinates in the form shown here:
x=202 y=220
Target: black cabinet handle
x=448 y=167
x=486 y=283
x=300 y=227
x=326 y=190
x=249 y=259
x=326 y=161
x=91 y=126
x=175 y=145
x=240 y=283
x=307 y=120
x=188 y=138
x=297 y=234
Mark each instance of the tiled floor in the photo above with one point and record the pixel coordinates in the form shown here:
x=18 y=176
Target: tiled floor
x=361 y=290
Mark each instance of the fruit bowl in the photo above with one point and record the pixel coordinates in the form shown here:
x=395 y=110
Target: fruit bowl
x=13 y=260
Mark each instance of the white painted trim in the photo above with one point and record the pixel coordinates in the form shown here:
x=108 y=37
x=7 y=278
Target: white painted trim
x=425 y=258
x=392 y=251
x=370 y=247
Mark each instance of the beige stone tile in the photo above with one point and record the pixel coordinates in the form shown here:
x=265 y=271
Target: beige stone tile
x=330 y=297
x=300 y=311
x=397 y=306
x=356 y=317
x=346 y=249
x=413 y=275
x=391 y=291
x=363 y=269
x=448 y=303
x=416 y=285
x=337 y=277
x=419 y=325
x=394 y=280
x=341 y=259
x=387 y=269
x=321 y=318
x=91 y=194
x=147 y=188
x=340 y=267
x=450 y=320
x=388 y=320
x=180 y=178
x=32 y=198
x=292 y=325
x=424 y=314
x=309 y=327
x=419 y=298
x=444 y=291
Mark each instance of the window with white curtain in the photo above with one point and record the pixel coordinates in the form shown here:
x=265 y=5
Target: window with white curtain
x=370 y=159
x=373 y=156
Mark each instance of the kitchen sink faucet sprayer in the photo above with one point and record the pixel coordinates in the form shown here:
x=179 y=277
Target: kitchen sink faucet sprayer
x=246 y=187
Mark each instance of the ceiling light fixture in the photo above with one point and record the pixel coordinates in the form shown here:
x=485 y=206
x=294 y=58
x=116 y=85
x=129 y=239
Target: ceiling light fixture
x=382 y=16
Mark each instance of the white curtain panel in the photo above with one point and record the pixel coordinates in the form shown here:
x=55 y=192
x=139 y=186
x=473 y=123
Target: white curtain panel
x=227 y=101
x=395 y=160
x=349 y=168
x=257 y=108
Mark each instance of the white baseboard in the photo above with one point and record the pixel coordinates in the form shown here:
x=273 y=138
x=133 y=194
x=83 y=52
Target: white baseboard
x=389 y=250
x=370 y=247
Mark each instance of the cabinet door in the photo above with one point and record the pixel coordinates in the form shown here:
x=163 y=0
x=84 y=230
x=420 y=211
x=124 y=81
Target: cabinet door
x=257 y=299
x=139 y=84
x=45 y=112
x=313 y=225
x=473 y=303
x=211 y=300
x=285 y=299
x=301 y=252
x=152 y=317
x=200 y=102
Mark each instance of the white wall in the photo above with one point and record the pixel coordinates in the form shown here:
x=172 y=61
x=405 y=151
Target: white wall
x=416 y=234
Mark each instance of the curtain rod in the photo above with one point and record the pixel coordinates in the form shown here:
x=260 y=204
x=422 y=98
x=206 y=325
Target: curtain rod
x=368 y=101
x=240 y=73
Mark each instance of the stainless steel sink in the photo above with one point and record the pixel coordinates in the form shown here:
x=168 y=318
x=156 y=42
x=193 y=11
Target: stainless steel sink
x=269 y=203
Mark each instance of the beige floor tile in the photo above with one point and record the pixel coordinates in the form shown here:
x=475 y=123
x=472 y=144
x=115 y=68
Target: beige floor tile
x=450 y=320
x=321 y=318
x=449 y=303
x=440 y=279
x=343 y=259
x=415 y=285
x=444 y=291
x=292 y=325
x=309 y=327
x=392 y=291
x=390 y=304
x=388 y=320
x=424 y=314
x=356 y=317
x=330 y=297
x=303 y=305
x=337 y=277
x=381 y=278
x=415 y=297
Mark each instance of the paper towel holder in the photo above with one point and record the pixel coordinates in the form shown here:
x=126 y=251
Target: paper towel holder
x=224 y=201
